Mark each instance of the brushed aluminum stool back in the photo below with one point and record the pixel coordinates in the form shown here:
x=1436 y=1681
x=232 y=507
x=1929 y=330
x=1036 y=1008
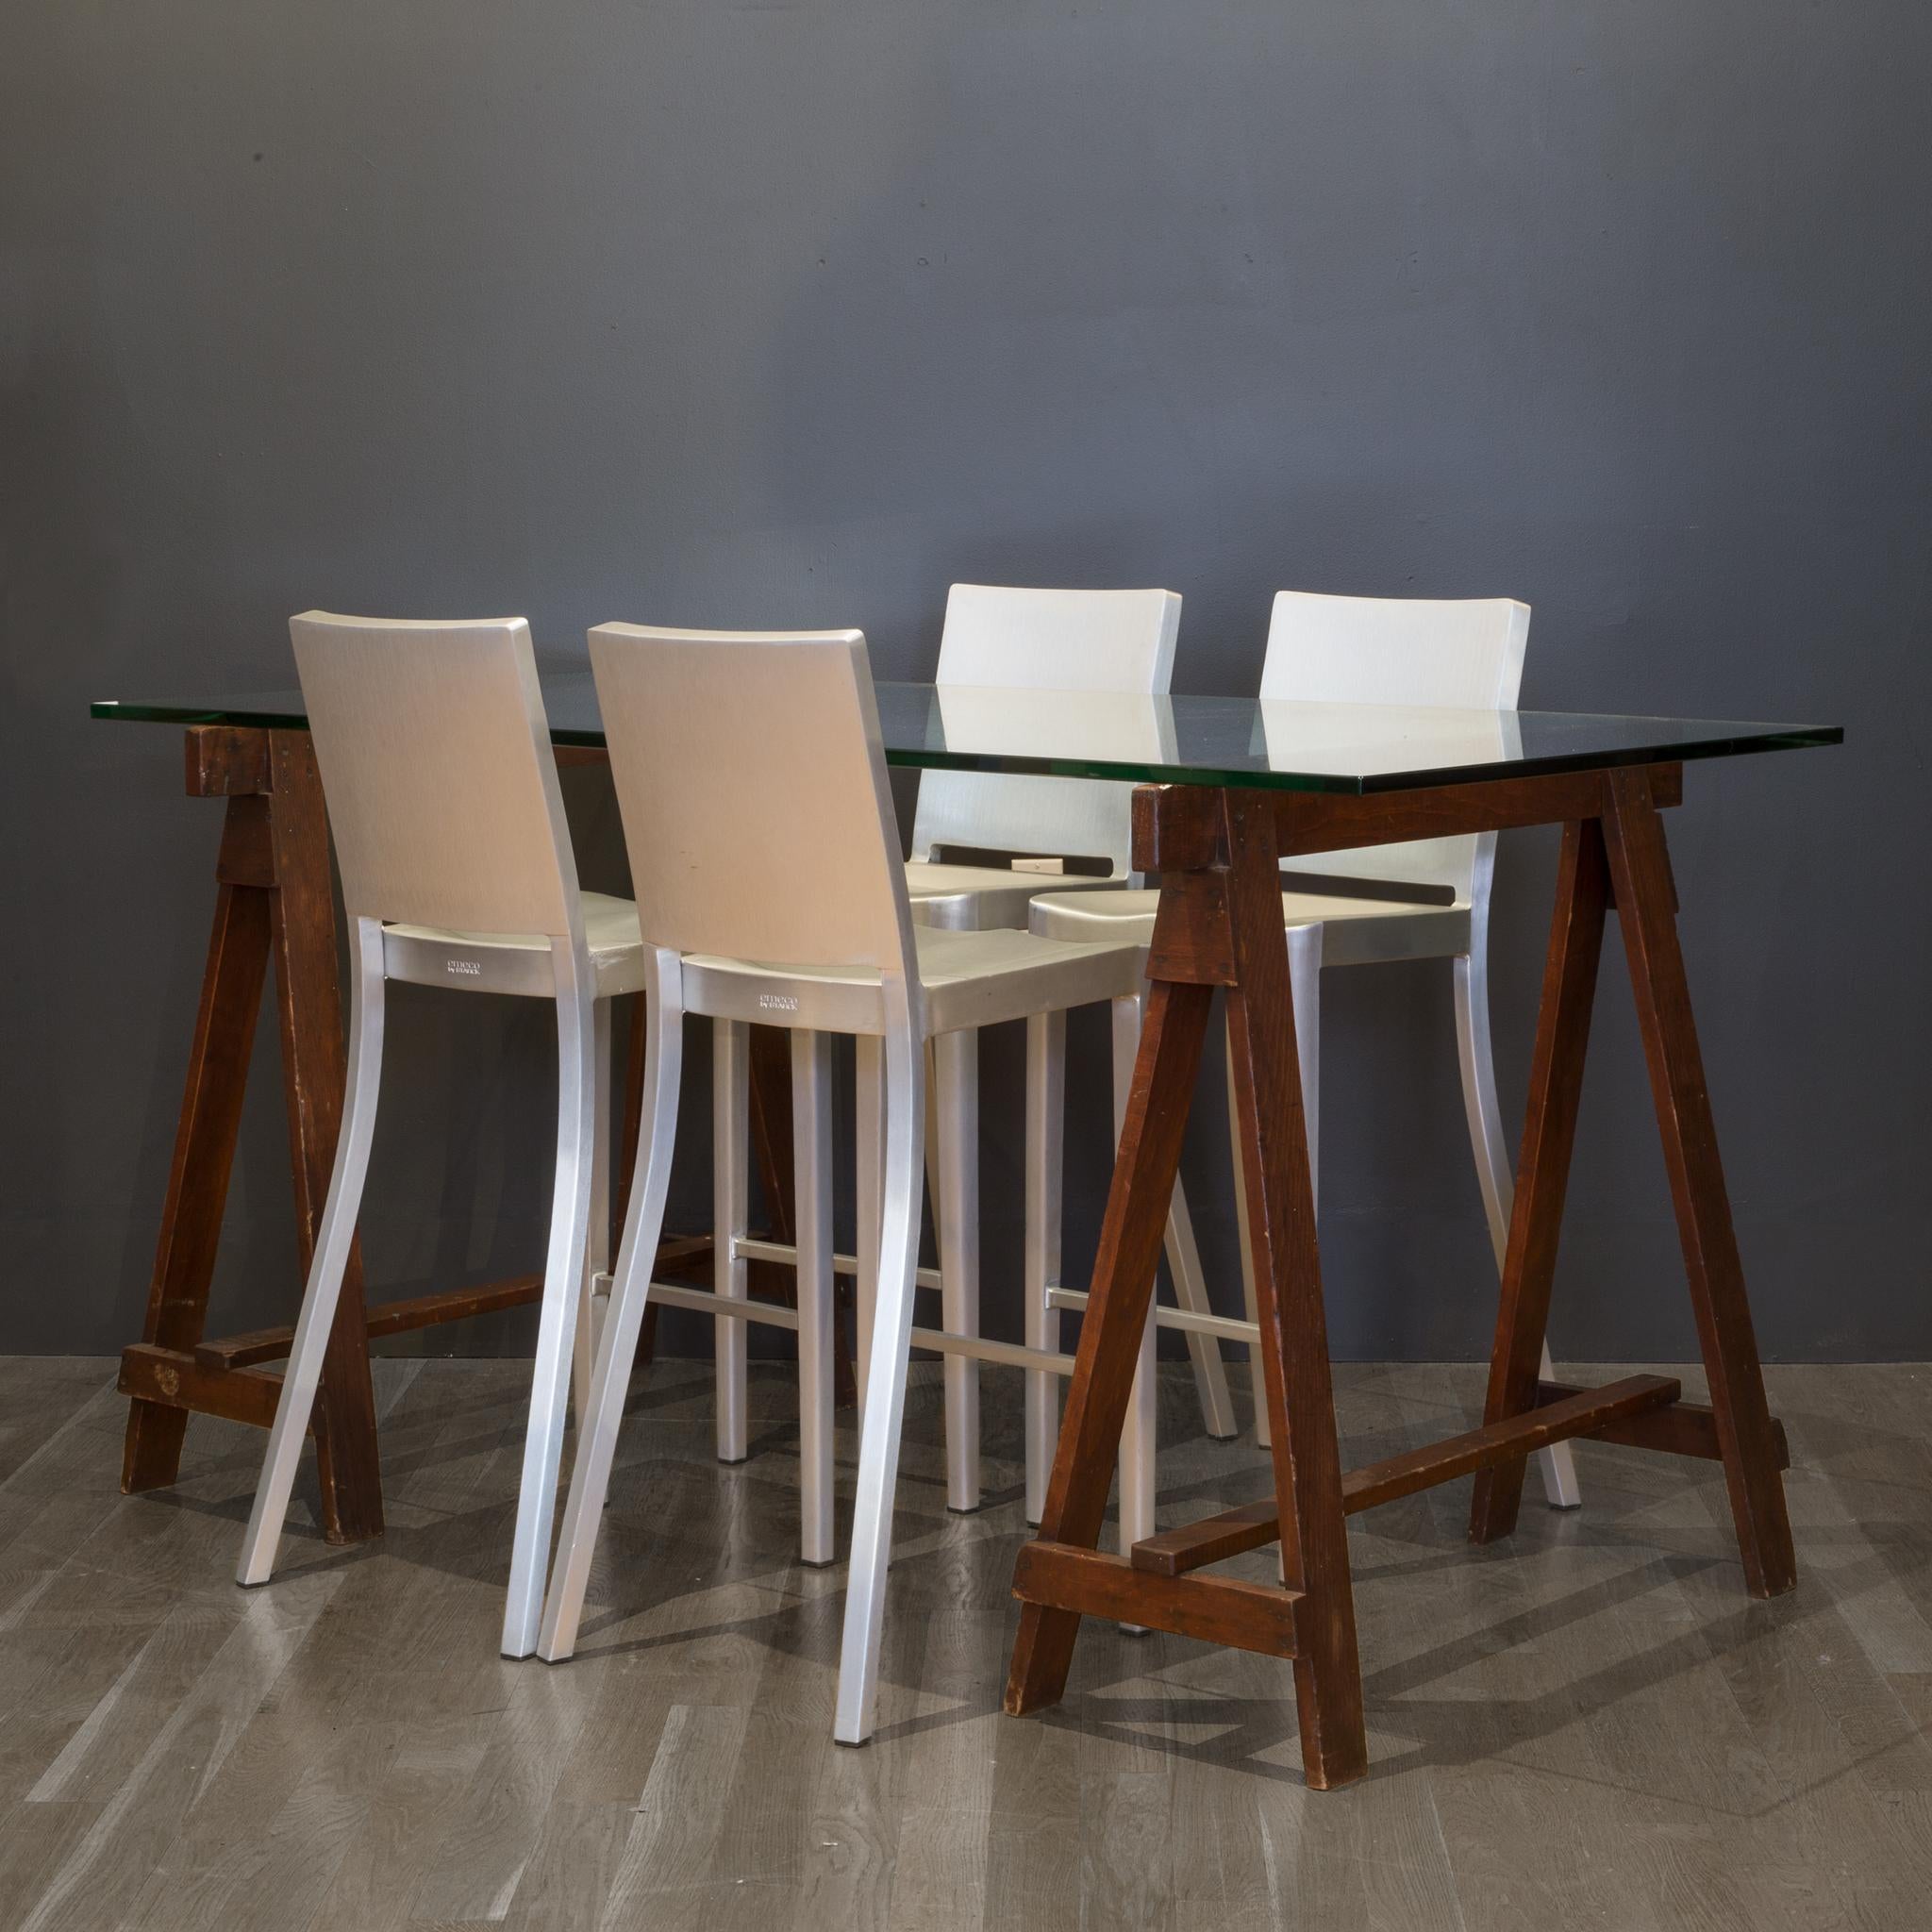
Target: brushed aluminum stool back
x=457 y=870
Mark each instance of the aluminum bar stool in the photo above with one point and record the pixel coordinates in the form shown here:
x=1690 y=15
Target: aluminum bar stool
x=1397 y=651
x=1028 y=834
x=795 y=862
x=1032 y=833
x=457 y=873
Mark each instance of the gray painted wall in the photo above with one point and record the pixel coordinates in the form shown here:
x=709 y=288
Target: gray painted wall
x=792 y=314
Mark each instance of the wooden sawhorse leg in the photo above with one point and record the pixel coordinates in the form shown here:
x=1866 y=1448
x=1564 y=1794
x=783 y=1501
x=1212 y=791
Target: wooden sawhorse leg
x=1220 y=923
x=1621 y=860
x=275 y=898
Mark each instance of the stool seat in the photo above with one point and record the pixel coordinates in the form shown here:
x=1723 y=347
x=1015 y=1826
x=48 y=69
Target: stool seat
x=1355 y=932
x=519 y=962
x=971 y=979
x=963 y=899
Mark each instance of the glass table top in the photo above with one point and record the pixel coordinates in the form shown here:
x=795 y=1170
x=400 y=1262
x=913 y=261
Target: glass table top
x=1178 y=741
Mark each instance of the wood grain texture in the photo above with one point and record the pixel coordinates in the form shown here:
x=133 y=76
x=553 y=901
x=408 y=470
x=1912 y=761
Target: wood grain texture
x=1179 y=827
x=1273 y=1153
x=1647 y=900
x=1131 y=1233
x=197 y=1193
x=1677 y=1428
x=224 y=761
x=1575 y=1412
x=1543 y=1169
x=1219 y=920
x=1214 y=1609
x=386 y=1318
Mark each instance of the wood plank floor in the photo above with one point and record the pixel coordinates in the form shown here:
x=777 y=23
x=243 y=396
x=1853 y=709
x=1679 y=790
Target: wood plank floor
x=1589 y=1726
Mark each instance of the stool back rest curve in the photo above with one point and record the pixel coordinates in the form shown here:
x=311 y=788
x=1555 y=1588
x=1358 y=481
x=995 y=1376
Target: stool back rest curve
x=1049 y=640
x=751 y=776
x=1460 y=653
x=437 y=765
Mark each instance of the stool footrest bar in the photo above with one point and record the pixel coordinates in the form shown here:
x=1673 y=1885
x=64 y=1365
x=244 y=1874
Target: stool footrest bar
x=1006 y=1354
x=785 y=1254
x=1217 y=1609
x=733 y=1308
x=1223 y=1328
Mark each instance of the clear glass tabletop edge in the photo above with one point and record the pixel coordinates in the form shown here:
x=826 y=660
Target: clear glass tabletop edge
x=1213 y=741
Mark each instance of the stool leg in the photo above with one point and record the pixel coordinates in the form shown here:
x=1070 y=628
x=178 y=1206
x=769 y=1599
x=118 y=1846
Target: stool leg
x=334 y=1237
x=731 y=1122
x=597 y=1243
x=1046 y=1094
x=956 y=1085
x=812 y=1167
x=868 y=1121
x=643 y=1225
x=563 y=1273
x=1138 y=1434
x=885 y=1389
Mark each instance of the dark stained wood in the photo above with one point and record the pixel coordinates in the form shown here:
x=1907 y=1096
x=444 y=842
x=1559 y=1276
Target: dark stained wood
x=771 y=1125
x=1130 y=1237
x=1254 y=1525
x=1211 y=1540
x=224 y=761
x=678 y=1254
x=314 y=1074
x=166 y=1376
x=389 y=1318
x=1227 y=926
x=1322 y=822
x=1497 y=1444
x=683 y=1254
x=1216 y=1609
x=1543 y=1171
x=1679 y=1428
x=1174 y=829
x=1641 y=866
x=247 y=857
x=1179 y=828
x=1219 y=923
x=1192 y=945
x=204 y=1157
x=1273 y=1153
